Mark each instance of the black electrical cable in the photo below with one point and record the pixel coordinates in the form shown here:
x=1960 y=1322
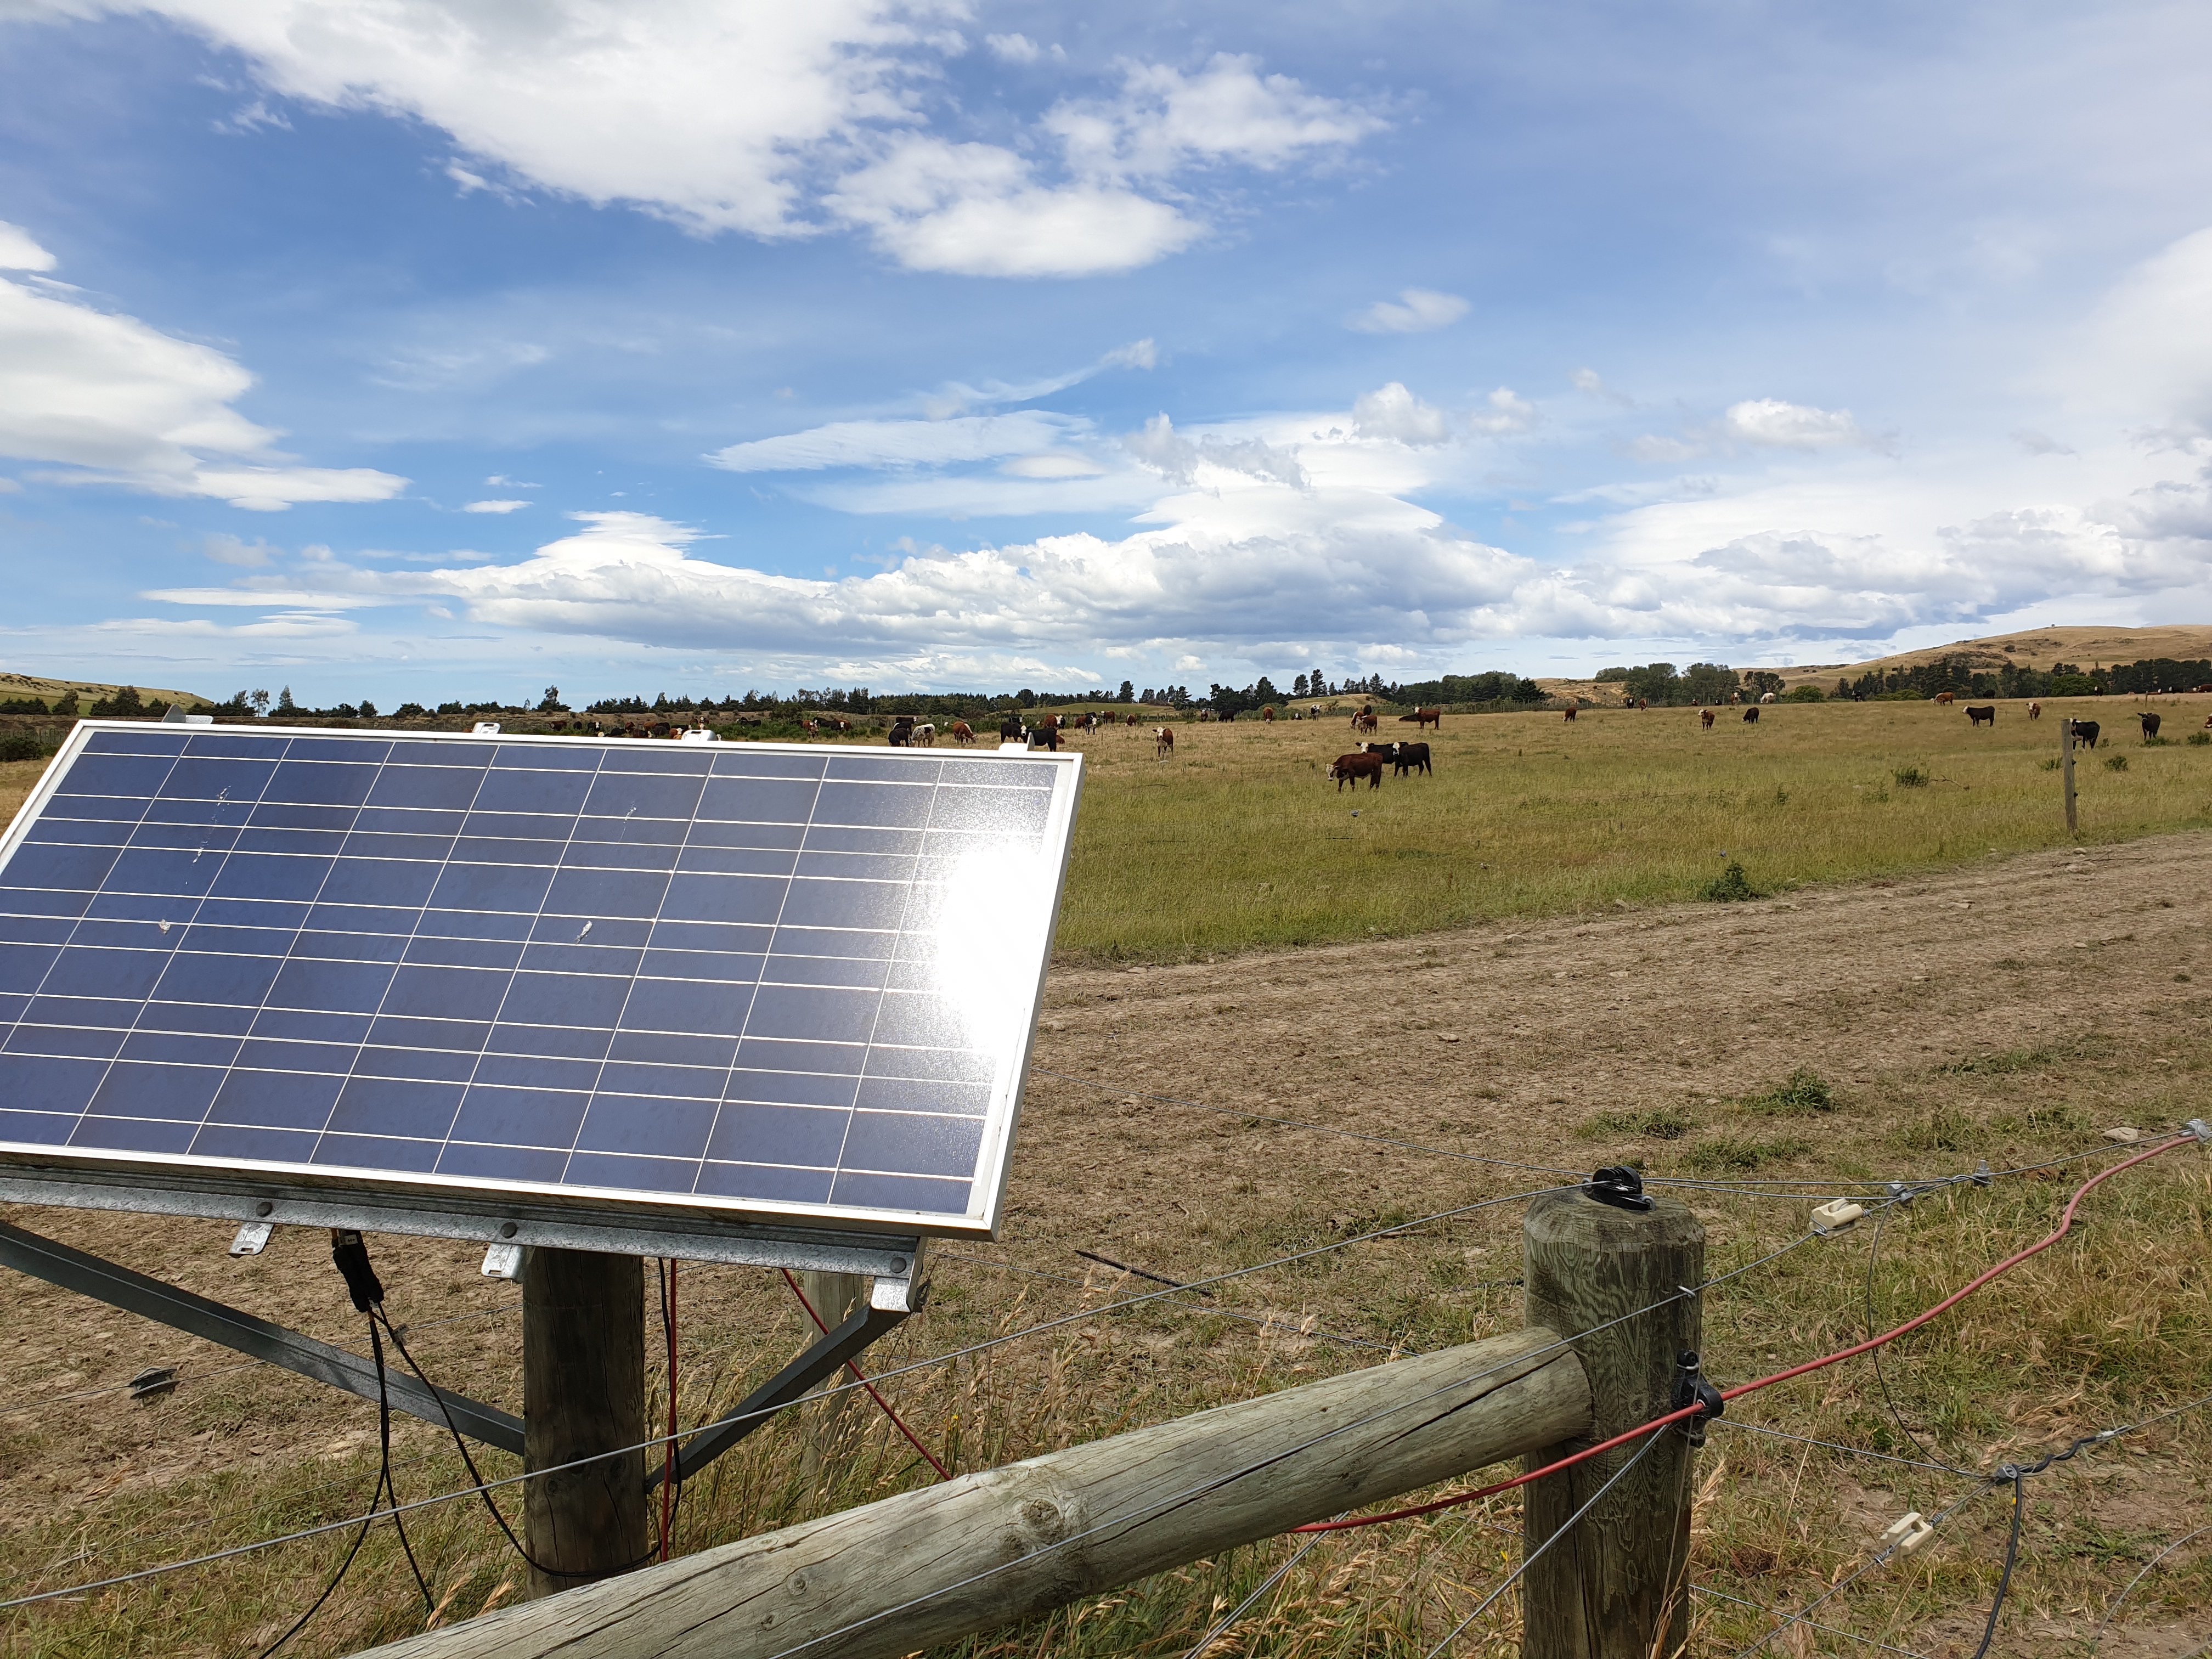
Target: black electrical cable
x=483 y=1488
x=383 y=1489
x=2012 y=1552
x=1873 y=1324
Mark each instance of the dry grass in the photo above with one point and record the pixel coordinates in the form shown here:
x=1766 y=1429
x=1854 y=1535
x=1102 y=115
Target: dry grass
x=1872 y=1083
x=1240 y=842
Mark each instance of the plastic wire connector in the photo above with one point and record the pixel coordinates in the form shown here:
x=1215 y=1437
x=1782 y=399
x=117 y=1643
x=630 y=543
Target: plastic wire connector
x=1836 y=1214
x=1690 y=1388
x=1618 y=1186
x=1908 y=1533
x=352 y=1258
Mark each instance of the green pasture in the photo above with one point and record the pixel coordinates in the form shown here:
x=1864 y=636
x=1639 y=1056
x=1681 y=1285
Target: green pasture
x=1240 y=842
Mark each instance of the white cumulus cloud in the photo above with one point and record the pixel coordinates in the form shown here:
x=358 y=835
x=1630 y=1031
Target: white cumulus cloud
x=1415 y=311
x=904 y=443
x=120 y=402
x=1773 y=423
x=495 y=507
x=1393 y=412
x=777 y=121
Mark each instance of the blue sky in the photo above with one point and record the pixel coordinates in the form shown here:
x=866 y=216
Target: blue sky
x=420 y=348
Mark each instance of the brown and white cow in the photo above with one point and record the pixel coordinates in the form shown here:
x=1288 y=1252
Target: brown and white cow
x=1706 y=715
x=2035 y=711
x=963 y=734
x=1163 y=742
x=1350 y=769
x=925 y=737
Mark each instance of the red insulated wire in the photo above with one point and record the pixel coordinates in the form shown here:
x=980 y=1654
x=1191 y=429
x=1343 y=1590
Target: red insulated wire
x=2065 y=1224
x=943 y=1474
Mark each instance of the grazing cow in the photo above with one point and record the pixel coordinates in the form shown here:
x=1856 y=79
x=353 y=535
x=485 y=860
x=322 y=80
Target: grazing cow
x=1267 y=714
x=1769 y=697
x=1642 y=703
x=1946 y=696
x=2150 y=725
x=902 y=731
x=1410 y=757
x=963 y=734
x=1010 y=729
x=1048 y=729
x=1365 y=720
x=1751 y=716
x=1134 y=721
x=1350 y=769
x=1163 y=742
x=2035 y=711
x=1985 y=715
x=1570 y=711
x=1706 y=715
x=924 y=736
x=1423 y=717
x=2085 y=732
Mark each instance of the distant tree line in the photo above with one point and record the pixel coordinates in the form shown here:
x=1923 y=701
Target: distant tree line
x=2146 y=678
x=1701 y=682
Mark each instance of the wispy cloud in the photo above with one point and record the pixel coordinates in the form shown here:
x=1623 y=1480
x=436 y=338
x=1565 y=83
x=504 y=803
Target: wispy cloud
x=1415 y=311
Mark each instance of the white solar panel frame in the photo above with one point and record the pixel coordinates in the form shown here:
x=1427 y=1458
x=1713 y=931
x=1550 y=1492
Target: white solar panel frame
x=616 y=1205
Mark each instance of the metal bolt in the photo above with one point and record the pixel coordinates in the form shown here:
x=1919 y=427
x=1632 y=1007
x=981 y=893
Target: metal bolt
x=898 y=1264
x=507 y=1229
x=265 y=1207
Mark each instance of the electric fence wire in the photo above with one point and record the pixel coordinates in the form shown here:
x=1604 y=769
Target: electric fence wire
x=482 y=1486
x=1873 y=1324
x=1834 y=1445
x=1985 y=1485
x=1809 y=1624
x=384 y=1488
x=1543 y=1548
x=2113 y=1611
x=486 y=1487
x=1225 y=1625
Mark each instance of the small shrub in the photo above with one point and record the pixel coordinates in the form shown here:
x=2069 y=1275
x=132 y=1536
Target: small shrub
x=1804 y=694
x=2155 y=742
x=2116 y=762
x=2051 y=765
x=1910 y=777
x=22 y=746
x=1806 y=1093
x=1730 y=885
x=1660 y=1123
x=2198 y=739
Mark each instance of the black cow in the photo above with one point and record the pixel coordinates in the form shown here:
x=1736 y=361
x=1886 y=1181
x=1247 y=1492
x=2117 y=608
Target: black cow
x=1011 y=731
x=1751 y=716
x=1985 y=715
x=1412 y=757
x=2085 y=733
x=902 y=731
x=2150 y=725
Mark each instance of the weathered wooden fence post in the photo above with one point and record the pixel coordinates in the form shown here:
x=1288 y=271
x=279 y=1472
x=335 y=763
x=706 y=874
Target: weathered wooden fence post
x=831 y=1297
x=583 y=1394
x=1617 y=1588
x=2066 y=764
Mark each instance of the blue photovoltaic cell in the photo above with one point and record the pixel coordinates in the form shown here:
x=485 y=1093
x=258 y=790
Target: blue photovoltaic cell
x=776 y=980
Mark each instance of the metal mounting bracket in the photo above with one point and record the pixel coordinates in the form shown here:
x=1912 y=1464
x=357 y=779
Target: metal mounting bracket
x=166 y=1304
x=891 y=1303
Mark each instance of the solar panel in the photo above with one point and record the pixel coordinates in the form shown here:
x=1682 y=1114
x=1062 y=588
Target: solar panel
x=768 y=980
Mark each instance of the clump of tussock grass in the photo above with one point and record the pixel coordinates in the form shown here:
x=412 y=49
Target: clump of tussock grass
x=2198 y=739
x=1659 y=1123
x=1910 y=777
x=2116 y=762
x=1730 y=1154
x=1805 y=1094
x=1731 y=886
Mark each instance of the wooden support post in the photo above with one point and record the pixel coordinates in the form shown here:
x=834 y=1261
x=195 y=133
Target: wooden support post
x=832 y=1297
x=946 y=1561
x=1617 y=1588
x=583 y=1394
x=2066 y=765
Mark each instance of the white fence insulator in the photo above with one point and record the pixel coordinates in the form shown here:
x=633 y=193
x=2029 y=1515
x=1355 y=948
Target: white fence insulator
x=1835 y=1215
x=1909 y=1533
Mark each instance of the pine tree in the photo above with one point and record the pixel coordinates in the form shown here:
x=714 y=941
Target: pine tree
x=284 y=704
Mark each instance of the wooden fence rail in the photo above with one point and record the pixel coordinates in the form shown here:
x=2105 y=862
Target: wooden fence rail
x=982 y=1551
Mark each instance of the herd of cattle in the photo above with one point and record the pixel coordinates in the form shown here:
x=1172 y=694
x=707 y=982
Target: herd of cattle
x=1368 y=760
